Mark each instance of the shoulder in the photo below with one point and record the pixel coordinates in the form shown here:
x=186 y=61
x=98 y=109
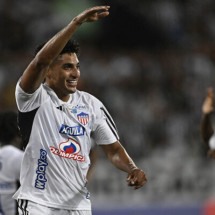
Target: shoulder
x=27 y=102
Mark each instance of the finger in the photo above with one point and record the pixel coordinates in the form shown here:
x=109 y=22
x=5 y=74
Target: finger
x=105 y=7
x=131 y=178
x=132 y=182
x=94 y=16
x=98 y=9
x=137 y=186
x=103 y=14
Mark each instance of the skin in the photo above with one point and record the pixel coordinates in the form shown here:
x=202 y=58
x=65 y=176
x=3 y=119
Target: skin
x=38 y=68
x=62 y=73
x=206 y=126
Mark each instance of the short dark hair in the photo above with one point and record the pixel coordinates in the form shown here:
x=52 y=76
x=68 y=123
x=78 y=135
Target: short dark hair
x=8 y=127
x=72 y=46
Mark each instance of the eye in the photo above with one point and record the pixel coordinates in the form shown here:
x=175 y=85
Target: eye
x=67 y=66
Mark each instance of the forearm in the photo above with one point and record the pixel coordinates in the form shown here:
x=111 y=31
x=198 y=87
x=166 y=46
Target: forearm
x=122 y=160
x=55 y=45
x=36 y=71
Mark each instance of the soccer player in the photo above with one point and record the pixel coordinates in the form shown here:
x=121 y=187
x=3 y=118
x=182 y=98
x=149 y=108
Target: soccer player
x=57 y=122
x=10 y=161
x=208 y=122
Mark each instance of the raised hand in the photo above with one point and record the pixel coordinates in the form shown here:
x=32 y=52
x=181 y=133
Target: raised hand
x=136 y=178
x=92 y=14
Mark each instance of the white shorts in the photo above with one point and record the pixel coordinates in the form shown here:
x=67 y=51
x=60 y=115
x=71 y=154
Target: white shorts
x=26 y=207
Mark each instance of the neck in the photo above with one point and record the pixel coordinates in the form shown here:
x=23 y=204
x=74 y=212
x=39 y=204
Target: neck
x=64 y=98
x=61 y=95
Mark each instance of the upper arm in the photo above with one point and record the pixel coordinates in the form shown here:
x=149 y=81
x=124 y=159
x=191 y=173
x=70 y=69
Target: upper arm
x=34 y=74
x=32 y=77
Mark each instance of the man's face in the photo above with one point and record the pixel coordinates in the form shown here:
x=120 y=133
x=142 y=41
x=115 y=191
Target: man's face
x=63 y=75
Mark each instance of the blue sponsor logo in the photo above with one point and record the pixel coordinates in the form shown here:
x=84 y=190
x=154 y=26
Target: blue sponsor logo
x=72 y=131
x=41 y=180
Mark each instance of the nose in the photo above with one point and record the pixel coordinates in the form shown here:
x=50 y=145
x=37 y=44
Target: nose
x=75 y=73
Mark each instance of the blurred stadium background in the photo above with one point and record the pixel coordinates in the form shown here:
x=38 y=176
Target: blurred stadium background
x=150 y=62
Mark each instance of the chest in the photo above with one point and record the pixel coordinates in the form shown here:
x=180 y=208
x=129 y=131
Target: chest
x=69 y=120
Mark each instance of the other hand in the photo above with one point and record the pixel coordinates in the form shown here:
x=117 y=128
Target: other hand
x=136 y=178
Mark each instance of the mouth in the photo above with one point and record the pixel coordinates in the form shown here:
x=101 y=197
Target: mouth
x=72 y=83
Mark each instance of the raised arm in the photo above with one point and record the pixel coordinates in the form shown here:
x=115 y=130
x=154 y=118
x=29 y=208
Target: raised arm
x=36 y=71
x=207 y=130
x=207 y=109
x=120 y=159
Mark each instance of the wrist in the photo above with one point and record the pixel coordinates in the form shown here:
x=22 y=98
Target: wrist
x=76 y=21
x=133 y=169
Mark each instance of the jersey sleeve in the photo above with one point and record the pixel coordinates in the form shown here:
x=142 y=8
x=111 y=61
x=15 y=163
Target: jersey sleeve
x=105 y=131
x=27 y=102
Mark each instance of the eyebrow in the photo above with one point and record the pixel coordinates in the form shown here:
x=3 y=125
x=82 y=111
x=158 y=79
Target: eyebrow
x=71 y=64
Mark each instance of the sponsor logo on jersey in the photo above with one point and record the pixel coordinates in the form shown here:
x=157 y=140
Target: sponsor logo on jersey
x=72 y=131
x=74 y=110
x=79 y=107
x=41 y=180
x=69 y=149
x=83 y=118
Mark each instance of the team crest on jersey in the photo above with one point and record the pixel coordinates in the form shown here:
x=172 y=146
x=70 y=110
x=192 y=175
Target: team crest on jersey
x=83 y=118
x=69 y=149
